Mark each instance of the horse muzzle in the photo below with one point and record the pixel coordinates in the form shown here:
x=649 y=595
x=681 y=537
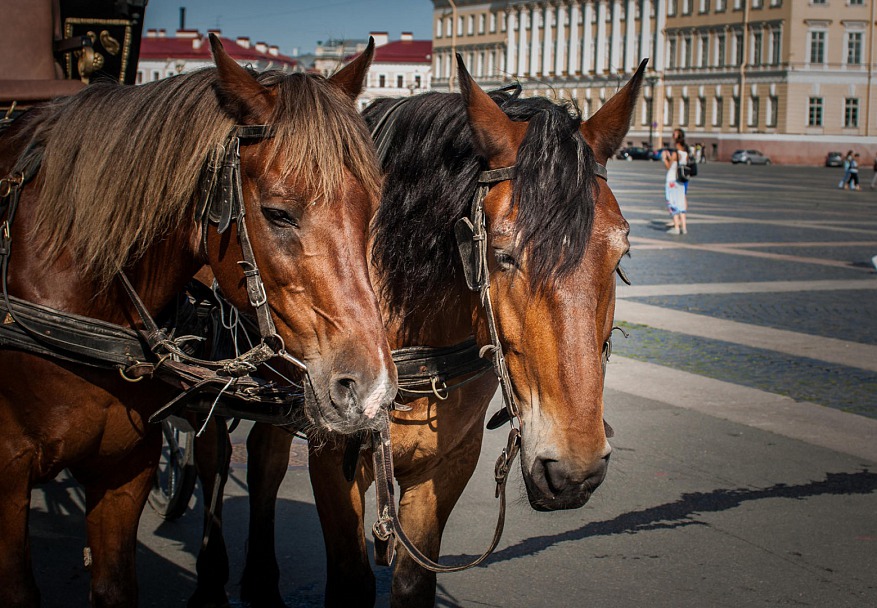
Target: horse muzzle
x=554 y=485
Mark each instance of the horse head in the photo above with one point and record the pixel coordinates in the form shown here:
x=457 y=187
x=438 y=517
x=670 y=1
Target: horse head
x=555 y=238
x=310 y=187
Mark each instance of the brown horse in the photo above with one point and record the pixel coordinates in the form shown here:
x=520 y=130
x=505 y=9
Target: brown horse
x=555 y=237
x=118 y=190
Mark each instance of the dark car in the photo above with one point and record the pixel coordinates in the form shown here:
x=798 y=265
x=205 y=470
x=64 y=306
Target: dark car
x=834 y=159
x=749 y=157
x=633 y=153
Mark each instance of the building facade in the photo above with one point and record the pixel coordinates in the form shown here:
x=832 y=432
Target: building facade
x=162 y=55
x=399 y=68
x=790 y=77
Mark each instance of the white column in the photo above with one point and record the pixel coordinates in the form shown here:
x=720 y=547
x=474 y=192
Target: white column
x=560 y=49
x=599 y=65
x=573 y=65
x=615 y=50
x=535 y=23
x=491 y=71
x=548 y=41
x=511 y=52
x=587 y=38
x=645 y=33
x=523 y=19
x=630 y=61
x=660 y=23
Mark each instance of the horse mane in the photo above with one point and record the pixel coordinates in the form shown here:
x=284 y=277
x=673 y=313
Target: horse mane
x=431 y=173
x=121 y=165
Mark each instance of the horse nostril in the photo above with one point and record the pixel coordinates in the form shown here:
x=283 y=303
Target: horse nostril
x=556 y=477
x=343 y=392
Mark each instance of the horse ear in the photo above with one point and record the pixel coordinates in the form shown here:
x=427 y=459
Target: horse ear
x=606 y=129
x=351 y=78
x=241 y=95
x=496 y=135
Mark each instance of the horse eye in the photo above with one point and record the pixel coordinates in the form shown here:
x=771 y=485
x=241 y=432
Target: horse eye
x=505 y=261
x=279 y=217
x=622 y=274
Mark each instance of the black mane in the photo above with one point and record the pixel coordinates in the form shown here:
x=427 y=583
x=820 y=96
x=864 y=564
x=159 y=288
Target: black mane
x=431 y=171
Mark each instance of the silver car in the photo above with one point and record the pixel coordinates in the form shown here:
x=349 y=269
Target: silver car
x=749 y=157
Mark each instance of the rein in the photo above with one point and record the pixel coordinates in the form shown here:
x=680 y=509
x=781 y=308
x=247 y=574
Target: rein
x=471 y=235
x=71 y=337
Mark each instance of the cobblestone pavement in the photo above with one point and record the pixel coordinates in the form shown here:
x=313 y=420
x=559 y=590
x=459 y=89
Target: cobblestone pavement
x=768 y=247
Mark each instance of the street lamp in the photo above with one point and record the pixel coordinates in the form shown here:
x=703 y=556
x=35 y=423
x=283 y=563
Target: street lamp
x=651 y=81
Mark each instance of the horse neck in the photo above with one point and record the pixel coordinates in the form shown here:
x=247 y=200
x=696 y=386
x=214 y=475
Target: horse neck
x=449 y=326
x=59 y=283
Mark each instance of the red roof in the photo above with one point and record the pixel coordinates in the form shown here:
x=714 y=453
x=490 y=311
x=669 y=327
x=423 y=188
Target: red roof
x=164 y=48
x=404 y=51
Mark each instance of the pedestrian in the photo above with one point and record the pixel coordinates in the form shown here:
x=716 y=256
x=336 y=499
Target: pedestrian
x=874 y=177
x=676 y=162
x=846 y=178
x=854 y=173
x=679 y=135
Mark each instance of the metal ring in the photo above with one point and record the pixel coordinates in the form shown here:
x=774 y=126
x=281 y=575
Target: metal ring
x=435 y=390
x=126 y=378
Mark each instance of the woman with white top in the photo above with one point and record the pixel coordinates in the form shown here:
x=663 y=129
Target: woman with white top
x=674 y=189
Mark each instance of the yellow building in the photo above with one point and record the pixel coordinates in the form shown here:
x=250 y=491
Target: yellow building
x=792 y=78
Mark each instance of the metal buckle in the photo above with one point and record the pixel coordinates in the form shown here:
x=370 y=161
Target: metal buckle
x=10 y=182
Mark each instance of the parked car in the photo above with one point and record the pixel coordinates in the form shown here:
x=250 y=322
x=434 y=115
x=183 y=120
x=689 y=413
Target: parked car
x=749 y=157
x=834 y=159
x=633 y=153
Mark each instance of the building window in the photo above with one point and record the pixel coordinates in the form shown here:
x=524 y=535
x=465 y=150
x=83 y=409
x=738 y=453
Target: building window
x=686 y=52
x=857 y=2
x=817 y=47
x=470 y=29
x=814 y=112
x=854 y=48
x=139 y=77
x=720 y=6
x=417 y=81
x=851 y=113
x=738 y=5
x=735 y=111
x=668 y=111
x=492 y=23
x=382 y=81
x=449 y=27
x=773 y=103
x=704 y=6
x=482 y=19
x=776 y=45
x=720 y=51
x=400 y=81
x=700 y=112
x=738 y=48
x=671 y=8
x=752 y=120
x=776 y=2
x=703 y=52
x=684 y=106
x=817 y=1
x=686 y=7
x=757 y=4
x=671 y=54
x=438 y=28
x=459 y=26
x=718 y=110
x=757 y=38
x=156 y=75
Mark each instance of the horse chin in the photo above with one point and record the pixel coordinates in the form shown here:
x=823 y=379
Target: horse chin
x=324 y=415
x=542 y=498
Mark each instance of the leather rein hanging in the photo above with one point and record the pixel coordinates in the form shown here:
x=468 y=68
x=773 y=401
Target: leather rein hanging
x=96 y=343
x=471 y=234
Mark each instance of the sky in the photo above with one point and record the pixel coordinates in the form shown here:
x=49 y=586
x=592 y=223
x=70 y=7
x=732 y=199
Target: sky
x=295 y=24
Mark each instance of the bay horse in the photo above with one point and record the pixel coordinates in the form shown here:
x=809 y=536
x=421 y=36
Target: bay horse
x=555 y=237
x=107 y=188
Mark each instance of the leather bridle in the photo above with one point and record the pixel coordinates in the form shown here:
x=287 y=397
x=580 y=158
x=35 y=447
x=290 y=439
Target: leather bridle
x=472 y=243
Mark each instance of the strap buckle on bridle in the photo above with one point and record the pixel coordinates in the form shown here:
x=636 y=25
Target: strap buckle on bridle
x=10 y=183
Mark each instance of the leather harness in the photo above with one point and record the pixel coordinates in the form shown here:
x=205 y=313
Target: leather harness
x=153 y=350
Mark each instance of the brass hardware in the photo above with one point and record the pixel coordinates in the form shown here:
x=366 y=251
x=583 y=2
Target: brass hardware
x=8 y=320
x=127 y=379
x=109 y=43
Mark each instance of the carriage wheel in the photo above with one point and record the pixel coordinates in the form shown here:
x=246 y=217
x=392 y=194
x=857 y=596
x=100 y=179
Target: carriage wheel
x=175 y=478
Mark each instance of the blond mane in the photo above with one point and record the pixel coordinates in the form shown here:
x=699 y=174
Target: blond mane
x=121 y=165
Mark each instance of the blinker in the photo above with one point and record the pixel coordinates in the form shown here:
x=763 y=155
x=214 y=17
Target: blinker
x=466 y=246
